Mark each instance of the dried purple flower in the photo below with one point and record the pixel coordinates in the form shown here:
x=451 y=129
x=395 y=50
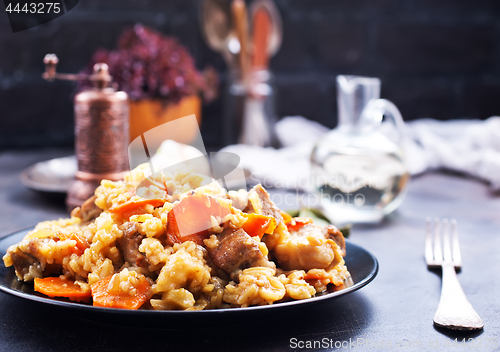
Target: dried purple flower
x=149 y=65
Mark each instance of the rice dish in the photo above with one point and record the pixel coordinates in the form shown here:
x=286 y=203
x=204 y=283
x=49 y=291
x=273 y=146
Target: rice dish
x=179 y=242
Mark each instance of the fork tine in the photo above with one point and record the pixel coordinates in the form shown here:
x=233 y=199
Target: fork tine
x=446 y=242
x=438 y=253
x=429 y=257
x=457 y=257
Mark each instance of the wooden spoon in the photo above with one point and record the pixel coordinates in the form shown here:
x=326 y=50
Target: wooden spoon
x=261 y=30
x=240 y=20
x=217 y=27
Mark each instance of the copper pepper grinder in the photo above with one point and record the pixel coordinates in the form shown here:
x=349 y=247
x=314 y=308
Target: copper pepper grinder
x=101 y=130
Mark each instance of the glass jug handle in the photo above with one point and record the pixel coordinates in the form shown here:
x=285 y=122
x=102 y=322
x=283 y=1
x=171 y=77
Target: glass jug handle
x=374 y=112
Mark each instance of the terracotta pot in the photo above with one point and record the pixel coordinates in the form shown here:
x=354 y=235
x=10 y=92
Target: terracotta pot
x=147 y=114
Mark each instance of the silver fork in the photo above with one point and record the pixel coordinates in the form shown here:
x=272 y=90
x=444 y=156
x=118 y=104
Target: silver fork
x=454 y=310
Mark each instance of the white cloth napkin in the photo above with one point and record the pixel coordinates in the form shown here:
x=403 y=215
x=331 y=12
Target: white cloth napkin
x=468 y=146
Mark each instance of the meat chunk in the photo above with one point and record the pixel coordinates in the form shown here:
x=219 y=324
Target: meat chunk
x=28 y=267
x=259 y=202
x=25 y=265
x=129 y=244
x=88 y=211
x=307 y=249
x=334 y=233
x=236 y=250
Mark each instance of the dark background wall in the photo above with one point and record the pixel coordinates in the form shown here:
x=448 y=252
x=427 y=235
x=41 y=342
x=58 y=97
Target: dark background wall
x=436 y=58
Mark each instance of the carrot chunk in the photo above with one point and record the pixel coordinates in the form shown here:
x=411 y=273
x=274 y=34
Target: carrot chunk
x=173 y=233
x=287 y=218
x=81 y=244
x=315 y=276
x=193 y=216
x=297 y=223
x=62 y=287
x=102 y=297
x=258 y=225
x=132 y=205
x=134 y=211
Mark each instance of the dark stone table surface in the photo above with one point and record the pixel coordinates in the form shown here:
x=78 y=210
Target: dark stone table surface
x=394 y=312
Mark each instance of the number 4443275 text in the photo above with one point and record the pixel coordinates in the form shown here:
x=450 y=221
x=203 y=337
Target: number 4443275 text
x=34 y=7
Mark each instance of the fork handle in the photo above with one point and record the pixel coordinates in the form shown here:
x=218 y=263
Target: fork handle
x=454 y=310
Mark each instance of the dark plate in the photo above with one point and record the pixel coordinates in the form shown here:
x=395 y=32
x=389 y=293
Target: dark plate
x=361 y=264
